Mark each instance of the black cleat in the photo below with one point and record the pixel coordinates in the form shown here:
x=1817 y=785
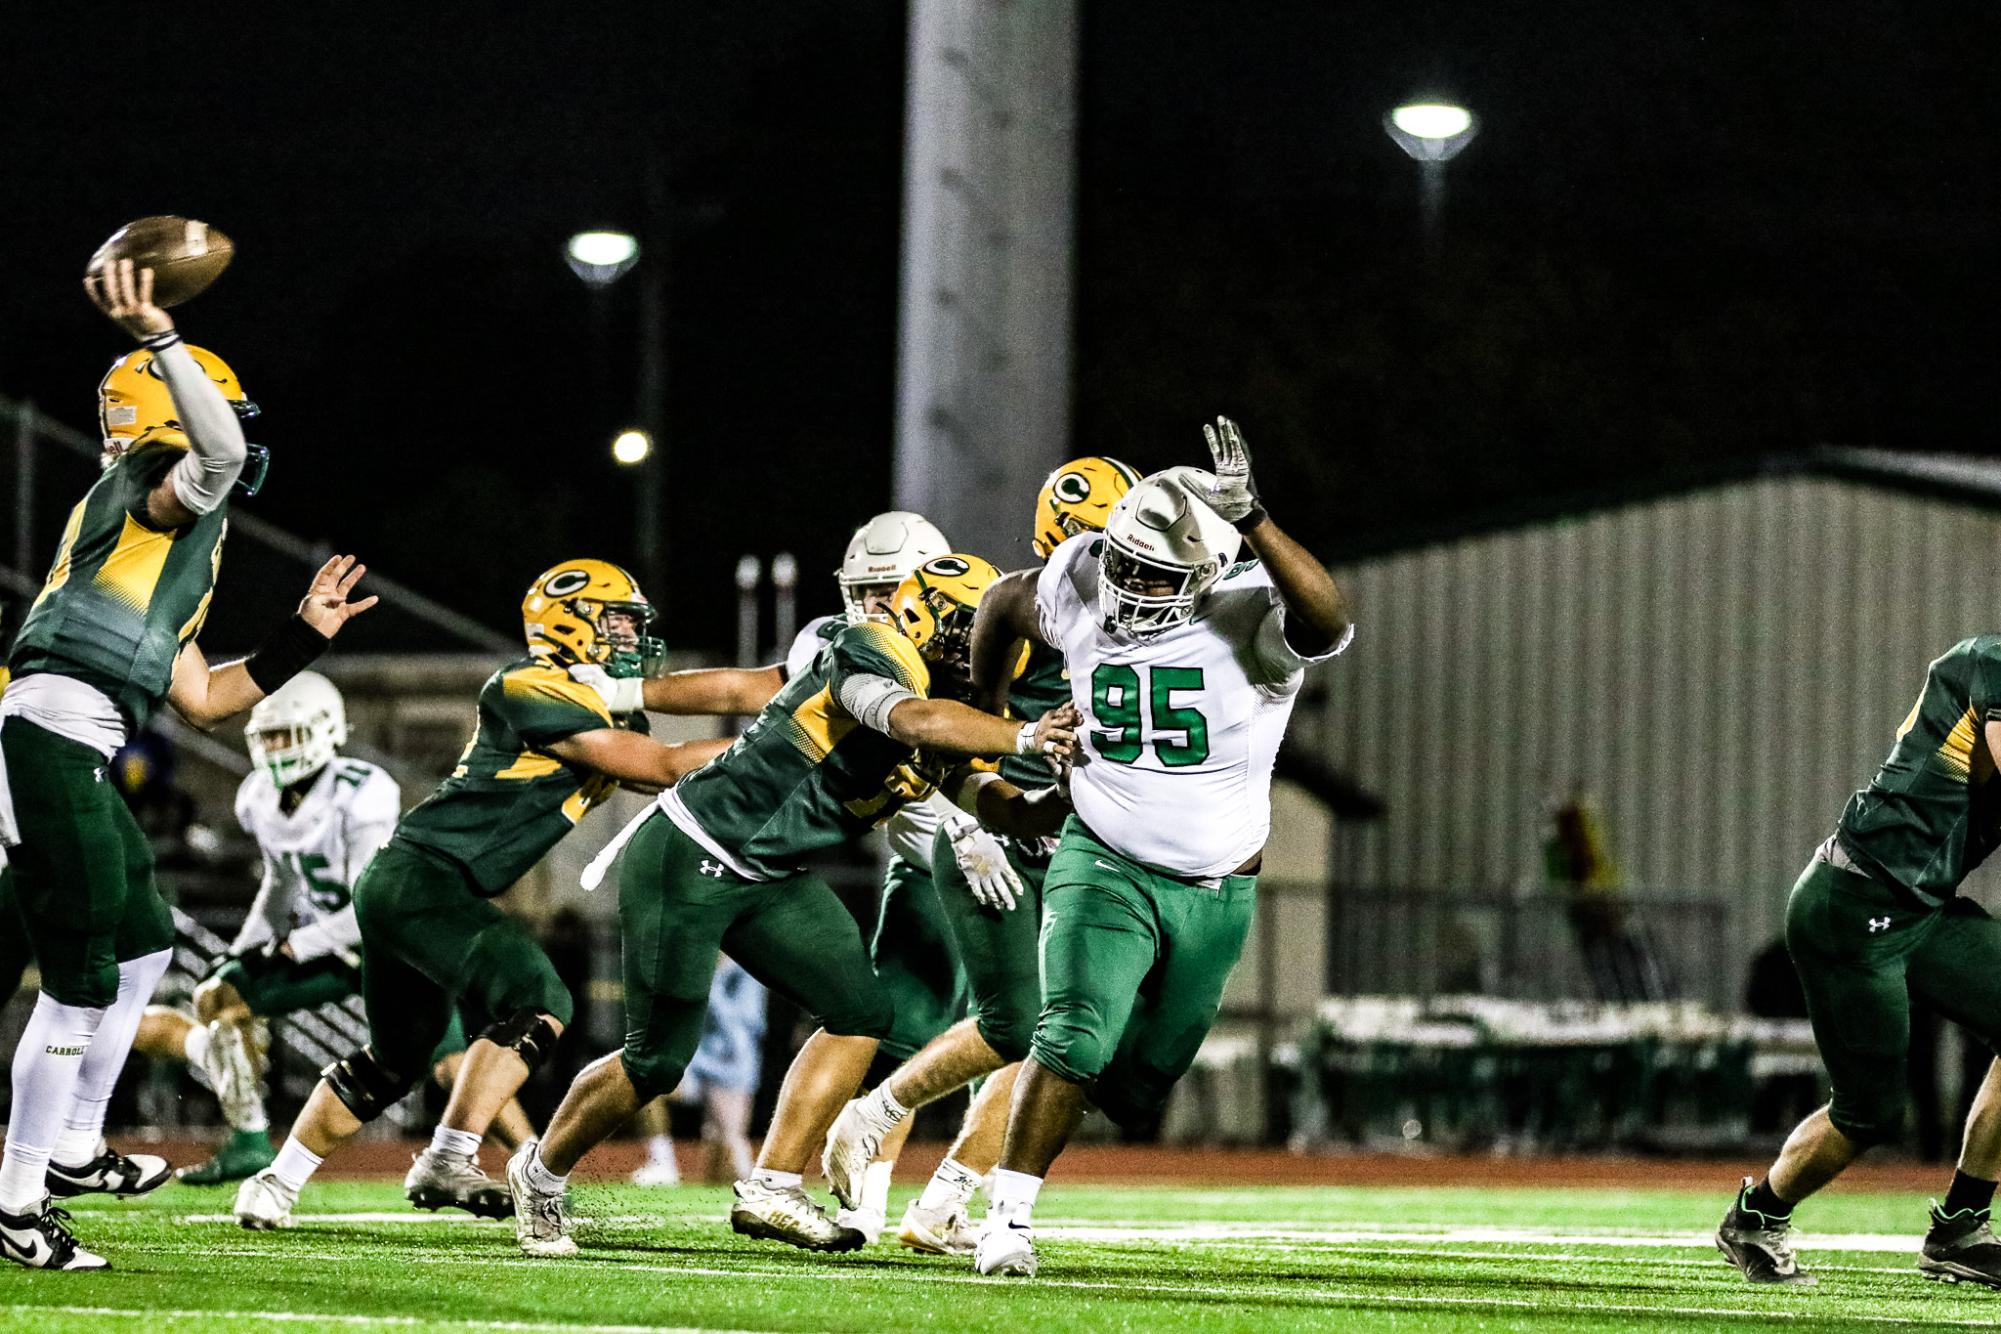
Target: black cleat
x=110 y=1173
x=41 y=1239
x=1961 y=1248
x=1760 y=1245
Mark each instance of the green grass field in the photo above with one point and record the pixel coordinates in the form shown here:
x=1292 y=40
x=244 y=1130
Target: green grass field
x=1148 y=1259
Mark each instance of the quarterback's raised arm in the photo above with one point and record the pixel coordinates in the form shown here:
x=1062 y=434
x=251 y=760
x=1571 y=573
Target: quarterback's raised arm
x=1006 y=617
x=207 y=696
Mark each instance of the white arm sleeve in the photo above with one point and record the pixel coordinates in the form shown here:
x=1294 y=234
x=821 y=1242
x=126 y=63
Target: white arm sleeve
x=202 y=479
x=869 y=699
x=338 y=934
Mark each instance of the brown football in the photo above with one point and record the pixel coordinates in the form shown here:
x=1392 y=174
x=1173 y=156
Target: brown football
x=184 y=255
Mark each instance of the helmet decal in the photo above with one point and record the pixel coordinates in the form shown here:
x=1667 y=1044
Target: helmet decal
x=1073 y=487
x=949 y=566
x=566 y=582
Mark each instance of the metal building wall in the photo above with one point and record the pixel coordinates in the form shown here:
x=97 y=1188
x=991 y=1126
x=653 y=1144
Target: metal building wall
x=1719 y=669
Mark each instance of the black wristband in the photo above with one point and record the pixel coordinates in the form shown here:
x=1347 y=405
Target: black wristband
x=292 y=648
x=1251 y=520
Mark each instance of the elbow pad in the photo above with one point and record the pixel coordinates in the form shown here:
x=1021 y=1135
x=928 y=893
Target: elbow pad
x=869 y=699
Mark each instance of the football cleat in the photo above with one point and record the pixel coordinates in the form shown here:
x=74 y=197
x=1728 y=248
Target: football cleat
x=541 y=1223
x=264 y=1202
x=244 y=1154
x=1760 y=1245
x=865 y=1221
x=232 y=1072
x=937 y=1231
x=455 y=1181
x=110 y=1173
x=785 y=1213
x=1006 y=1247
x=1961 y=1248
x=852 y=1142
x=40 y=1238
x=657 y=1174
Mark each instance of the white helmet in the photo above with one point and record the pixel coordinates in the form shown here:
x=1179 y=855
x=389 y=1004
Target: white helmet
x=882 y=554
x=1163 y=548
x=295 y=731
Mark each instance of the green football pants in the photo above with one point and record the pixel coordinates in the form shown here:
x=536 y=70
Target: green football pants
x=678 y=908
x=1861 y=949
x=996 y=948
x=82 y=877
x=430 y=944
x=1133 y=968
x=914 y=959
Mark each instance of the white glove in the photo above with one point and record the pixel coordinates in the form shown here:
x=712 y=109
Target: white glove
x=1234 y=495
x=985 y=863
x=621 y=694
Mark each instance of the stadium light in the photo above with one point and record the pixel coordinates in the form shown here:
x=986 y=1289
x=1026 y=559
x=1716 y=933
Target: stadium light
x=631 y=446
x=601 y=258
x=1431 y=131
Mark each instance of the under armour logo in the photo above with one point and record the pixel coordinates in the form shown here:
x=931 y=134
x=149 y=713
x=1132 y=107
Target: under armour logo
x=97 y=774
x=1878 y=924
x=712 y=868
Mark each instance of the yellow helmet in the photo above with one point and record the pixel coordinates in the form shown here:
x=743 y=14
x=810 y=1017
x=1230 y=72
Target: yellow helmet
x=591 y=611
x=133 y=404
x=935 y=603
x=1078 y=498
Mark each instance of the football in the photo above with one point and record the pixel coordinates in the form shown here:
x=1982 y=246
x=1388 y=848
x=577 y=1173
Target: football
x=185 y=255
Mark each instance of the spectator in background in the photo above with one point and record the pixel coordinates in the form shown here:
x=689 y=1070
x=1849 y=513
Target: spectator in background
x=1618 y=958
x=723 y=1078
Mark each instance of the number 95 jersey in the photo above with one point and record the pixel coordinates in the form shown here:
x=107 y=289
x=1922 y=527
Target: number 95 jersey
x=1181 y=729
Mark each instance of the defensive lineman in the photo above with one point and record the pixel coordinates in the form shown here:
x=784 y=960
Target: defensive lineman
x=990 y=893
x=1875 y=917
x=1185 y=664
x=111 y=635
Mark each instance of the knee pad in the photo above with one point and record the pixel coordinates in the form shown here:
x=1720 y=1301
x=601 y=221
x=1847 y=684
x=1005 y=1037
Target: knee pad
x=1872 y=1118
x=1070 y=1048
x=527 y=1033
x=364 y=1085
x=651 y=1076
x=866 y=1015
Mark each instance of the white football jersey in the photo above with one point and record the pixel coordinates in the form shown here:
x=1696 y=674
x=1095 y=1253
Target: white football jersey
x=912 y=828
x=1180 y=730
x=313 y=856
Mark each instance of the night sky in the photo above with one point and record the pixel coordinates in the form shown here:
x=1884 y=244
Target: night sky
x=1686 y=232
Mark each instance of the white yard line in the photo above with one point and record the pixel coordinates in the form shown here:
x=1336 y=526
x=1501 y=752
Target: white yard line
x=364 y=1321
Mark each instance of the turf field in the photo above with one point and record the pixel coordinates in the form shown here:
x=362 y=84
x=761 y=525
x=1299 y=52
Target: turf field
x=1113 y=1258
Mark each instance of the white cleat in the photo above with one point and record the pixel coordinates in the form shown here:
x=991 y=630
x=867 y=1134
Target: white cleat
x=263 y=1202
x=657 y=1174
x=865 y=1221
x=852 y=1143
x=787 y=1214
x=1006 y=1248
x=40 y=1238
x=232 y=1072
x=541 y=1223
x=455 y=1181
x=937 y=1231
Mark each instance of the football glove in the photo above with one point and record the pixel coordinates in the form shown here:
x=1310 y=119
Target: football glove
x=988 y=871
x=621 y=694
x=1235 y=495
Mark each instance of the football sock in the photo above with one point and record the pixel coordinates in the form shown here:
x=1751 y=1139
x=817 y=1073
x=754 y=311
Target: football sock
x=83 y=1129
x=295 y=1166
x=950 y=1187
x=1762 y=1199
x=540 y=1177
x=875 y=1189
x=882 y=1110
x=195 y=1045
x=47 y=1064
x=660 y=1151
x=255 y=1121
x=764 y=1176
x=1015 y=1191
x=464 y=1143
x=1968 y=1193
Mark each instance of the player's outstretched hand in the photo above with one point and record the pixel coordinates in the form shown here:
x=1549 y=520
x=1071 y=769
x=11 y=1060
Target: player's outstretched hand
x=989 y=874
x=126 y=297
x=1234 y=495
x=326 y=607
x=1056 y=734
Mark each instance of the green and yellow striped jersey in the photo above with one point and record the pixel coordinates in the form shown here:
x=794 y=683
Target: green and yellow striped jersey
x=806 y=775
x=1932 y=813
x=123 y=596
x=510 y=800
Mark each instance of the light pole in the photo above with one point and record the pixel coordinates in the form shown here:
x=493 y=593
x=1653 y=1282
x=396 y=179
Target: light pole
x=1433 y=133
x=601 y=258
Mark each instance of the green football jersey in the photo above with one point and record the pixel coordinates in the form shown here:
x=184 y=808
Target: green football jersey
x=509 y=800
x=805 y=775
x=1043 y=684
x=123 y=597
x=1932 y=813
